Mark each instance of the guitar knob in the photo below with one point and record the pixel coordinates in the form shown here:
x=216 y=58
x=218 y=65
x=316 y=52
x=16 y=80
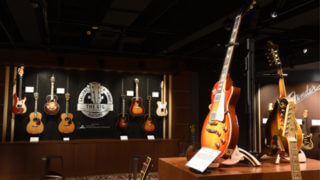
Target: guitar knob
x=225 y=129
x=223 y=141
x=219 y=133
x=218 y=145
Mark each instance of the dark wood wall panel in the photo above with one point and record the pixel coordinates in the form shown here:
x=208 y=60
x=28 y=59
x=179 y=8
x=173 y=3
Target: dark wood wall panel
x=80 y=157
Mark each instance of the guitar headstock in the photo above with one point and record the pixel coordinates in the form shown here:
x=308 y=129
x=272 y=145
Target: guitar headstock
x=21 y=71
x=67 y=95
x=149 y=98
x=290 y=124
x=249 y=7
x=36 y=95
x=52 y=79
x=136 y=80
x=305 y=113
x=273 y=54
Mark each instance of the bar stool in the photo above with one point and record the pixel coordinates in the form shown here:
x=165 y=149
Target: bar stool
x=48 y=173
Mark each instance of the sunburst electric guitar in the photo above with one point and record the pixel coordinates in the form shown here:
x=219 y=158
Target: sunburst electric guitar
x=136 y=108
x=52 y=107
x=66 y=124
x=19 y=105
x=123 y=122
x=282 y=129
x=149 y=125
x=35 y=125
x=307 y=143
x=220 y=129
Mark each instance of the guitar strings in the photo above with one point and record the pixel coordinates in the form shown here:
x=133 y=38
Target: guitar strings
x=37 y=82
x=67 y=83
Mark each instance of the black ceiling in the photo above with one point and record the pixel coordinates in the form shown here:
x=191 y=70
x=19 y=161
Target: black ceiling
x=160 y=28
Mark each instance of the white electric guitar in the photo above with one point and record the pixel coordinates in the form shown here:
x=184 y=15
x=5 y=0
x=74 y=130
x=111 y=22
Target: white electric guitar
x=162 y=105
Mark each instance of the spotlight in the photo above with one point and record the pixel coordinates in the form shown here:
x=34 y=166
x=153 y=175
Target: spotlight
x=95 y=27
x=88 y=33
x=305 y=51
x=273 y=14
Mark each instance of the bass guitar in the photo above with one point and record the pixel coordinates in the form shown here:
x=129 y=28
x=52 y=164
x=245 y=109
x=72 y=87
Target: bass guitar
x=220 y=129
x=35 y=125
x=307 y=143
x=162 y=105
x=149 y=125
x=282 y=130
x=66 y=124
x=19 y=105
x=52 y=107
x=136 y=102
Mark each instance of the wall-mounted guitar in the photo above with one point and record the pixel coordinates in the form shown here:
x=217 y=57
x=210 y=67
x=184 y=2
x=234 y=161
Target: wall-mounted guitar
x=35 y=125
x=307 y=143
x=162 y=105
x=136 y=108
x=19 y=105
x=123 y=122
x=149 y=125
x=66 y=124
x=220 y=129
x=52 y=107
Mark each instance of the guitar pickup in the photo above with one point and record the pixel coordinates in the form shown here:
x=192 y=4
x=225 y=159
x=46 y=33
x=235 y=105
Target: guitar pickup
x=213 y=122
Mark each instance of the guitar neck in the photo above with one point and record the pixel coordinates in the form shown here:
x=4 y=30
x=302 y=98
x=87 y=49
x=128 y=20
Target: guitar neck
x=305 y=125
x=149 y=108
x=164 y=87
x=52 y=90
x=162 y=95
x=123 y=107
x=20 y=87
x=294 y=159
x=282 y=87
x=137 y=90
x=36 y=107
x=67 y=107
x=145 y=168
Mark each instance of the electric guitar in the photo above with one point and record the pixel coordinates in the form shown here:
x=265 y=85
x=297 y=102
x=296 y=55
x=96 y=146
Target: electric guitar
x=123 y=120
x=276 y=126
x=136 y=102
x=307 y=143
x=52 y=107
x=35 y=125
x=220 y=129
x=162 y=105
x=66 y=124
x=19 y=105
x=145 y=168
x=149 y=125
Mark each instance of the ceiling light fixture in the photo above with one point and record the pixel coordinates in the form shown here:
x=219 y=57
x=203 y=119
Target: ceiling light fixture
x=273 y=14
x=95 y=27
x=305 y=51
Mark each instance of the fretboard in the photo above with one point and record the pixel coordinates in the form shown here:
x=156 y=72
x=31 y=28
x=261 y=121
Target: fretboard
x=67 y=107
x=20 y=87
x=149 y=108
x=52 y=89
x=294 y=159
x=137 y=90
x=123 y=106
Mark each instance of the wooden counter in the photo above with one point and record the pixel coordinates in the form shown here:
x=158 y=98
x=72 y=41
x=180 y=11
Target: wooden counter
x=174 y=168
x=81 y=157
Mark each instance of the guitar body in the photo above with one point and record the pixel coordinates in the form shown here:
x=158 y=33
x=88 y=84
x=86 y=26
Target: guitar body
x=35 y=125
x=162 y=109
x=307 y=142
x=66 y=124
x=149 y=125
x=52 y=107
x=19 y=106
x=123 y=122
x=228 y=128
x=275 y=127
x=136 y=106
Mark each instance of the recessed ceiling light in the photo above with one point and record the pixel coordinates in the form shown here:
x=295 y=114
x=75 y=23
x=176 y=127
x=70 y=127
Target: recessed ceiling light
x=305 y=51
x=95 y=27
x=273 y=14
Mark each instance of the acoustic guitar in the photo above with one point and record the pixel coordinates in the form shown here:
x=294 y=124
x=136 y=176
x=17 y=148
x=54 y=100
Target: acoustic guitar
x=52 y=107
x=307 y=143
x=136 y=102
x=66 y=124
x=19 y=105
x=35 y=125
x=149 y=125
x=162 y=105
x=220 y=129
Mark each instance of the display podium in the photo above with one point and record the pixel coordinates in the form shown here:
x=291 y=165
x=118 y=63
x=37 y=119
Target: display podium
x=174 y=168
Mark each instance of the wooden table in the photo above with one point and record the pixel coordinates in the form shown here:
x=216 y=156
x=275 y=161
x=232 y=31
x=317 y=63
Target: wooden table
x=174 y=168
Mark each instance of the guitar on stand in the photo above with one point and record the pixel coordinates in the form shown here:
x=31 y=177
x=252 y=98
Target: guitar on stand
x=220 y=130
x=66 y=124
x=136 y=108
x=123 y=119
x=149 y=125
x=162 y=105
x=19 y=105
x=35 y=125
x=307 y=143
x=52 y=107
x=283 y=132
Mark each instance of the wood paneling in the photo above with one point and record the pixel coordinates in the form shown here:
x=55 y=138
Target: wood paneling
x=81 y=157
